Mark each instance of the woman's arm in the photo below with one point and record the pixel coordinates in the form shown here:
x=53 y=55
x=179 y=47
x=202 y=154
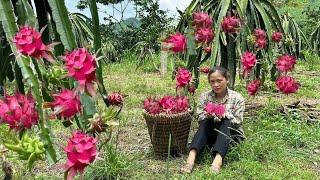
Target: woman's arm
x=201 y=114
x=236 y=116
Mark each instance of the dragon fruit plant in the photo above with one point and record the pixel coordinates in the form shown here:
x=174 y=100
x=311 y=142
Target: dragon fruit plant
x=284 y=63
x=202 y=27
x=59 y=84
x=70 y=98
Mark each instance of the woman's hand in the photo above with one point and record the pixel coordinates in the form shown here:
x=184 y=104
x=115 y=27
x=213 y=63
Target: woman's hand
x=221 y=116
x=213 y=116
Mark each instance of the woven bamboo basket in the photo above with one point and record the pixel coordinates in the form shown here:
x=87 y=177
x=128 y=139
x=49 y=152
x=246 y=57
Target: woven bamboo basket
x=161 y=126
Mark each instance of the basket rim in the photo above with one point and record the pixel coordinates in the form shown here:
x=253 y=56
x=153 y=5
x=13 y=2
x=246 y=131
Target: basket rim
x=189 y=112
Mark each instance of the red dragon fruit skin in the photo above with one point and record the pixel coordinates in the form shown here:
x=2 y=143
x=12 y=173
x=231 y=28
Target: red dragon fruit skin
x=261 y=43
x=152 y=106
x=248 y=61
x=285 y=63
x=115 y=99
x=181 y=104
x=183 y=77
x=214 y=109
x=207 y=50
x=204 y=35
x=260 y=38
x=29 y=43
x=253 y=87
x=18 y=111
x=287 y=84
x=81 y=65
x=177 y=42
x=201 y=20
x=230 y=24
x=205 y=69
x=276 y=36
x=81 y=151
x=260 y=34
x=167 y=103
x=66 y=103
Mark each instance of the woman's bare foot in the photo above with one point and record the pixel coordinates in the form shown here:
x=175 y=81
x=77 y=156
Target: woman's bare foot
x=217 y=163
x=187 y=168
x=215 y=168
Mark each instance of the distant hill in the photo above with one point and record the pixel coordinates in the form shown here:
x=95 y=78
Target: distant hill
x=127 y=23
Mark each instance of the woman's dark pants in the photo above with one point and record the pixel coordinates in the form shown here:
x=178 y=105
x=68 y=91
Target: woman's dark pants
x=216 y=135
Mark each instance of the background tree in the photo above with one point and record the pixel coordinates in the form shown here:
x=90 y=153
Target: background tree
x=140 y=33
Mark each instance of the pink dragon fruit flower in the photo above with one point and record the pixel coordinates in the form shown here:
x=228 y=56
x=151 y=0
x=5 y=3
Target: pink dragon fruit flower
x=66 y=104
x=167 y=103
x=81 y=151
x=177 y=42
x=214 y=109
x=205 y=69
x=81 y=65
x=230 y=24
x=287 y=84
x=204 y=35
x=115 y=99
x=18 y=111
x=181 y=104
x=183 y=77
x=276 y=36
x=201 y=20
x=29 y=43
x=253 y=87
x=285 y=63
x=248 y=60
x=152 y=106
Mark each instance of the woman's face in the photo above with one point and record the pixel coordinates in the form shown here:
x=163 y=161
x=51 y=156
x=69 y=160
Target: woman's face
x=218 y=82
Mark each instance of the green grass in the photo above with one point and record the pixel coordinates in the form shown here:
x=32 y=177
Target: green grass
x=277 y=146
x=308 y=76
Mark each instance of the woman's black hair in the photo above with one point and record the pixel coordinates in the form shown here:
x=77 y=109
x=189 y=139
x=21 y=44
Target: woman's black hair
x=223 y=71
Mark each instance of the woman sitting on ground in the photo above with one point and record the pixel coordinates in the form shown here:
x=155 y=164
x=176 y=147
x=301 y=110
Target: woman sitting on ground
x=215 y=131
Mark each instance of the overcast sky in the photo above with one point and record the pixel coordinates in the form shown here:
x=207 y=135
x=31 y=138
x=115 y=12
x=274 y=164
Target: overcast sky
x=169 y=5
